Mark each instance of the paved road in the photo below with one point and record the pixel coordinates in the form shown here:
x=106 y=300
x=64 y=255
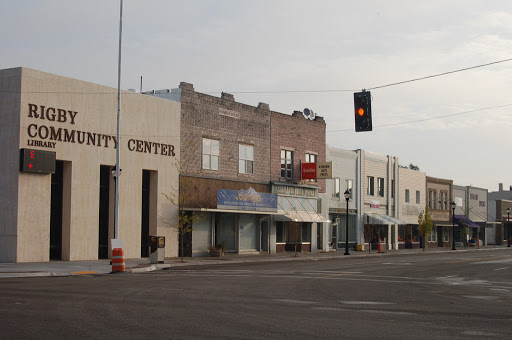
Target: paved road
x=455 y=295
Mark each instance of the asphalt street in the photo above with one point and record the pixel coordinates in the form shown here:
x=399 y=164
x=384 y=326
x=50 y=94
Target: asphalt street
x=454 y=295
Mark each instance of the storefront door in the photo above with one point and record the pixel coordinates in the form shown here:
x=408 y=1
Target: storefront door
x=225 y=231
x=264 y=235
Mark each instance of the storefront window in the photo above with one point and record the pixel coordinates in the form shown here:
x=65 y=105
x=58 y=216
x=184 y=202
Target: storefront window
x=415 y=234
x=202 y=233
x=248 y=232
x=225 y=231
x=306 y=232
x=401 y=233
x=446 y=234
x=432 y=237
x=280 y=238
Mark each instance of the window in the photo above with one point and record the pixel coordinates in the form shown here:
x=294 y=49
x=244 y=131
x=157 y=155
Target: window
x=245 y=159
x=380 y=182
x=418 y=197
x=371 y=187
x=210 y=154
x=286 y=164
x=336 y=187
x=430 y=199
x=446 y=234
x=392 y=188
x=407 y=198
x=280 y=232
x=348 y=186
x=435 y=199
x=310 y=158
x=432 y=237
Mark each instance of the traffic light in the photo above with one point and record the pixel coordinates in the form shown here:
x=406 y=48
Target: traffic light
x=363 y=111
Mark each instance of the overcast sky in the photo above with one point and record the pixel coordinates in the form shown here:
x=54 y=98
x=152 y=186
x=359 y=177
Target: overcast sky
x=300 y=54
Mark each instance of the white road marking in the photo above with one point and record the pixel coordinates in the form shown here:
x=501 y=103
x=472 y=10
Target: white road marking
x=367 y=303
x=481 y=297
x=501 y=268
x=302 y=302
x=375 y=311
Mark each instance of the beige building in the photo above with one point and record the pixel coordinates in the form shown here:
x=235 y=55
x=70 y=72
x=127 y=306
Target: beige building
x=379 y=200
x=59 y=142
x=412 y=186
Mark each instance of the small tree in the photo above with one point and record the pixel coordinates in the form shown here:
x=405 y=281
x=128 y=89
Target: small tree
x=180 y=197
x=425 y=225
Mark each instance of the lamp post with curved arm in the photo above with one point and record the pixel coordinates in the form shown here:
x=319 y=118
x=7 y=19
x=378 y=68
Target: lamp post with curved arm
x=347 y=195
x=508 y=227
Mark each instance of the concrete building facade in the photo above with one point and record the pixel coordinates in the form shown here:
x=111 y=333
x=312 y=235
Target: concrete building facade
x=67 y=210
x=379 y=198
x=345 y=176
x=412 y=202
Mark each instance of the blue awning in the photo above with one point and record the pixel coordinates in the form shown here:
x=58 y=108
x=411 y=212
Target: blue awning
x=463 y=221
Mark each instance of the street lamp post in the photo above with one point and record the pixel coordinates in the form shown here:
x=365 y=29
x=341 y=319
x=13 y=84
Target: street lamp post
x=508 y=227
x=453 y=225
x=347 y=195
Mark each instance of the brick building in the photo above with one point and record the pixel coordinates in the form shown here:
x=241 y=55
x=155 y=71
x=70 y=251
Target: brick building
x=296 y=139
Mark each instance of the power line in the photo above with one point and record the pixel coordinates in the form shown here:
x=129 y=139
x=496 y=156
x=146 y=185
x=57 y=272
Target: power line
x=432 y=118
x=277 y=91
x=440 y=74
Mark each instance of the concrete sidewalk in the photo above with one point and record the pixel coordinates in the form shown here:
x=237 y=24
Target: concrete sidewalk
x=141 y=265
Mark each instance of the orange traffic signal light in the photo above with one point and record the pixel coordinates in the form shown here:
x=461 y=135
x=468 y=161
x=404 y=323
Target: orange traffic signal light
x=363 y=111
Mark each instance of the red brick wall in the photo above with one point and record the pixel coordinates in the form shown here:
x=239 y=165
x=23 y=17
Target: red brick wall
x=296 y=133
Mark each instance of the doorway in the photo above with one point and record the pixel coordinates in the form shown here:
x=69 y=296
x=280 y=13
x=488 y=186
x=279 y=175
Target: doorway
x=56 y=212
x=144 y=236
x=104 y=207
x=264 y=235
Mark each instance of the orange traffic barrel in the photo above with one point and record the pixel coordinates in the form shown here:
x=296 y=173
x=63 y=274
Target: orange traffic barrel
x=118 y=260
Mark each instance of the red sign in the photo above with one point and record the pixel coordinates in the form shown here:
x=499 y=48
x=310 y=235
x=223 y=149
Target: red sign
x=308 y=170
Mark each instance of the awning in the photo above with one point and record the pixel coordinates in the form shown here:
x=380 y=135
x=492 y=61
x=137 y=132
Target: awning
x=254 y=212
x=463 y=221
x=381 y=219
x=300 y=216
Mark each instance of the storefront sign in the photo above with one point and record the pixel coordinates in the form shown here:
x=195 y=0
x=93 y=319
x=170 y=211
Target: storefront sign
x=47 y=136
x=308 y=171
x=324 y=170
x=291 y=190
x=375 y=205
x=246 y=200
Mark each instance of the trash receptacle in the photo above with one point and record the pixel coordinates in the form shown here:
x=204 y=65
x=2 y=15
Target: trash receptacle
x=157 y=249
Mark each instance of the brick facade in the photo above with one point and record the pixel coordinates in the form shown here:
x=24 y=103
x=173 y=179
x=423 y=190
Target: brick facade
x=229 y=122
x=300 y=135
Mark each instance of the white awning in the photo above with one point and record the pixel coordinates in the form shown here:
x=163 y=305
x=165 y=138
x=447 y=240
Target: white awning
x=300 y=216
x=381 y=219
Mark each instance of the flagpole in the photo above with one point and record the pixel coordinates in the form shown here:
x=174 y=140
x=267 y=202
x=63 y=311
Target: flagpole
x=118 y=168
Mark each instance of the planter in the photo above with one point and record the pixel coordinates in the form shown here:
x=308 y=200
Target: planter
x=216 y=252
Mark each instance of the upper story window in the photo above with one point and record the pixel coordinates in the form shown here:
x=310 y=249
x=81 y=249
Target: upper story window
x=287 y=164
x=435 y=200
x=381 y=186
x=418 y=197
x=336 y=190
x=407 y=197
x=311 y=158
x=210 y=154
x=245 y=159
x=430 y=199
x=392 y=188
x=371 y=186
x=348 y=186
